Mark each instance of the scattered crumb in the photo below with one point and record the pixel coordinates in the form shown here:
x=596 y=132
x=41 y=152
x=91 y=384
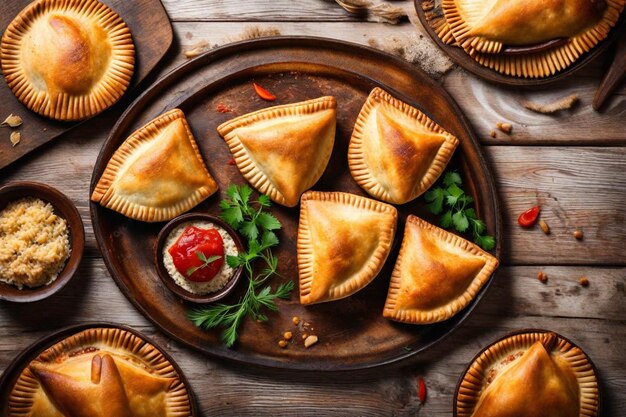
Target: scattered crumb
x=504 y=127
x=578 y=234
x=583 y=281
x=232 y=161
x=295 y=320
x=15 y=138
x=223 y=108
x=544 y=227
x=304 y=335
x=542 y=276
x=380 y=12
x=562 y=104
x=282 y=343
x=197 y=49
x=253 y=32
x=492 y=133
x=287 y=335
x=310 y=341
x=250 y=32
x=12 y=121
x=416 y=49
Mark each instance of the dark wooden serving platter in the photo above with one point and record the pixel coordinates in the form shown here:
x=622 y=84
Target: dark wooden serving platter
x=13 y=371
x=152 y=33
x=352 y=332
x=459 y=56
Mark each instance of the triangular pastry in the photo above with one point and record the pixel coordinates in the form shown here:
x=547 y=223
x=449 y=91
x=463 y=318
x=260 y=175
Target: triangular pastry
x=530 y=374
x=100 y=373
x=484 y=27
x=343 y=242
x=283 y=150
x=157 y=173
x=396 y=152
x=67 y=60
x=436 y=275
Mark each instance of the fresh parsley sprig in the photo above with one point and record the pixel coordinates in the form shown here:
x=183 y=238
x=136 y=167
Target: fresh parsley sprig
x=205 y=262
x=458 y=213
x=251 y=220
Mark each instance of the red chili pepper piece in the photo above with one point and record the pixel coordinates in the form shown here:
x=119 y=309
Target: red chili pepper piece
x=263 y=93
x=422 y=390
x=529 y=217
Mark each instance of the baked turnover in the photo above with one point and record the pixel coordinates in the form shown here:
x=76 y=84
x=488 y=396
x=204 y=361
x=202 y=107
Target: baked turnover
x=529 y=374
x=436 y=275
x=100 y=372
x=67 y=59
x=483 y=28
x=343 y=242
x=283 y=150
x=157 y=173
x=396 y=152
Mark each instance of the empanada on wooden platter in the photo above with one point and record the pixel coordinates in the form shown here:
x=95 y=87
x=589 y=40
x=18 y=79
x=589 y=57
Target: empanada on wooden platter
x=67 y=60
x=436 y=275
x=157 y=173
x=343 y=242
x=397 y=152
x=283 y=150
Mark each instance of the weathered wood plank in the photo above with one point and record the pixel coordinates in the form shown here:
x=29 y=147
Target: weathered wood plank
x=576 y=187
x=227 y=389
x=259 y=10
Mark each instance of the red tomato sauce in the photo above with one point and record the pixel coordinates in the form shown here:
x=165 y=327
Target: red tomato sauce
x=192 y=248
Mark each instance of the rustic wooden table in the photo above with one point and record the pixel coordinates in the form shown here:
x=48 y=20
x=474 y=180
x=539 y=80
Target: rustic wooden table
x=572 y=164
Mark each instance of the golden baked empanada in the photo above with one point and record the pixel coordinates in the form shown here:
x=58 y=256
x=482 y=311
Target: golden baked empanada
x=343 y=242
x=100 y=372
x=396 y=152
x=529 y=374
x=484 y=27
x=157 y=173
x=67 y=59
x=283 y=150
x=436 y=275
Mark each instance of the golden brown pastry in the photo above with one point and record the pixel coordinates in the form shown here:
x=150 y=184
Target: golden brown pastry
x=396 y=152
x=67 y=59
x=529 y=374
x=343 y=242
x=157 y=173
x=436 y=275
x=100 y=372
x=283 y=150
x=483 y=28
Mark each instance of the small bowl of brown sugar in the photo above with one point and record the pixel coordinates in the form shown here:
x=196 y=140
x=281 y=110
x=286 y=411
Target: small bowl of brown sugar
x=41 y=241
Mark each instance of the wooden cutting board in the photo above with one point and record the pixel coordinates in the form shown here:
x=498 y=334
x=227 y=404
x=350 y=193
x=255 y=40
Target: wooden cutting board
x=152 y=34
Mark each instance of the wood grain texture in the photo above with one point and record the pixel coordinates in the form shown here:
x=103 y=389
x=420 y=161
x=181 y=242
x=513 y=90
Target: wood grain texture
x=516 y=300
x=593 y=317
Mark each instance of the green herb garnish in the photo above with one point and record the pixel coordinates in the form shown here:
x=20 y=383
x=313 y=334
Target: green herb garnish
x=251 y=220
x=450 y=201
x=205 y=262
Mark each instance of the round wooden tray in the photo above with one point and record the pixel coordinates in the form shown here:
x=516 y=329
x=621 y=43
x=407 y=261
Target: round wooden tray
x=352 y=332
x=515 y=333
x=460 y=57
x=13 y=371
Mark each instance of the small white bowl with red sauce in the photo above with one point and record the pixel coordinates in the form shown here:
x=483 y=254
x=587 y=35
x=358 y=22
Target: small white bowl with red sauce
x=193 y=248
